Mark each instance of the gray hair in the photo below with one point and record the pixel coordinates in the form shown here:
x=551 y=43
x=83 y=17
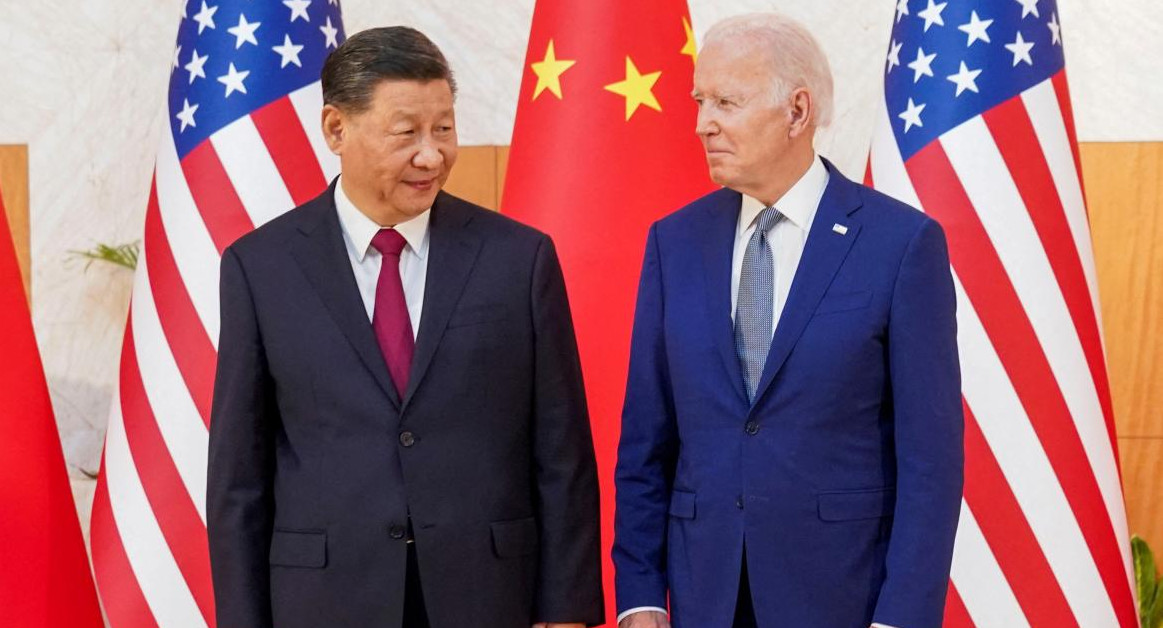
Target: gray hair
x=797 y=58
x=392 y=53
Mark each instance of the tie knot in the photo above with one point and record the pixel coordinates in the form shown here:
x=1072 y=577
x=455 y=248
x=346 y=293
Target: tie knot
x=767 y=219
x=389 y=242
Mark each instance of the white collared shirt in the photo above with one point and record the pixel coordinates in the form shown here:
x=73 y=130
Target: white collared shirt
x=358 y=231
x=787 y=238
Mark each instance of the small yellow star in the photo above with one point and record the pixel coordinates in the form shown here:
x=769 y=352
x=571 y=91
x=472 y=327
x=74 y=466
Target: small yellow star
x=636 y=88
x=549 y=71
x=689 y=47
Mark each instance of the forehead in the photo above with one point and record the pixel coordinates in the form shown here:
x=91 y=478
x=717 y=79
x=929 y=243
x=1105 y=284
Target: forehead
x=412 y=96
x=731 y=66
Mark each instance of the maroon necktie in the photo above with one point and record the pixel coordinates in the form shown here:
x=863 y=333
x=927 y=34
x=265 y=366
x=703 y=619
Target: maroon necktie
x=390 y=319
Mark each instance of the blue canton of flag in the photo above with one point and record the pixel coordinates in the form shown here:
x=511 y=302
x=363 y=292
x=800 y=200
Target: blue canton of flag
x=951 y=61
x=235 y=57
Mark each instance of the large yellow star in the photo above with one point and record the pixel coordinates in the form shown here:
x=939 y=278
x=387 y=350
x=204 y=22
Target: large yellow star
x=549 y=71
x=636 y=88
x=689 y=47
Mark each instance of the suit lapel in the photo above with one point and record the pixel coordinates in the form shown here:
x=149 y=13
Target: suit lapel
x=322 y=255
x=452 y=249
x=824 y=251
x=718 y=240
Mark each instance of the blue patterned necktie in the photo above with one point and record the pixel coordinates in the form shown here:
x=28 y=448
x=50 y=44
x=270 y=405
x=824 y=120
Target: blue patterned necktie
x=753 y=308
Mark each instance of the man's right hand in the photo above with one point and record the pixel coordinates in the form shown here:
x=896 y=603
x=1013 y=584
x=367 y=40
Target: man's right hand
x=645 y=619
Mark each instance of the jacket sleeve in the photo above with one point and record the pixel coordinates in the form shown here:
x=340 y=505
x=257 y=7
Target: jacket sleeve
x=240 y=504
x=647 y=451
x=569 y=587
x=928 y=426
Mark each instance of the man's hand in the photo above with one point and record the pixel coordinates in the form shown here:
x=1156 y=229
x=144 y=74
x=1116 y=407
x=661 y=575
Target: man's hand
x=645 y=619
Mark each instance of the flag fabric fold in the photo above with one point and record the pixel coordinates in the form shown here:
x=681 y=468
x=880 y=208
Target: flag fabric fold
x=976 y=130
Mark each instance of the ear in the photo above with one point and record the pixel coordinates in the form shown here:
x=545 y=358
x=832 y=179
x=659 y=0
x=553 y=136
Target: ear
x=334 y=128
x=800 y=110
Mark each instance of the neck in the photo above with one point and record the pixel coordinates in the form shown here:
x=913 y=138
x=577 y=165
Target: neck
x=790 y=169
x=372 y=206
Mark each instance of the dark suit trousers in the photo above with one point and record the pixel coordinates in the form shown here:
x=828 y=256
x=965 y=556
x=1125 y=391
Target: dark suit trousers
x=744 y=610
x=415 y=615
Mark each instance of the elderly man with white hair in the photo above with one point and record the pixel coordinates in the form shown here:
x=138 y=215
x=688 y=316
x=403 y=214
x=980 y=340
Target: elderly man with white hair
x=791 y=450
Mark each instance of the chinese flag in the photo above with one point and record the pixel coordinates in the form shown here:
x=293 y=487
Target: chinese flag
x=604 y=145
x=44 y=573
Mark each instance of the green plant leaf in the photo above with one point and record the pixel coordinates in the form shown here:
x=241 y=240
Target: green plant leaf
x=1155 y=610
x=1147 y=584
x=124 y=255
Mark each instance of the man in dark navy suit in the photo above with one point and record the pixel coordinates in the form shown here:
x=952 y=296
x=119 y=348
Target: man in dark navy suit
x=399 y=434
x=791 y=448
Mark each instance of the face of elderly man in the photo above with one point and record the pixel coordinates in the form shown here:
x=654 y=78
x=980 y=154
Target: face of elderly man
x=398 y=153
x=751 y=139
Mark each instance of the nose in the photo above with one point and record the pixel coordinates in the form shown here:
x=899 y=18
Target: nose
x=428 y=157
x=705 y=123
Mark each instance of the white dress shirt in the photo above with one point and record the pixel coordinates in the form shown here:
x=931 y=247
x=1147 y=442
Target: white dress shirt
x=787 y=239
x=358 y=231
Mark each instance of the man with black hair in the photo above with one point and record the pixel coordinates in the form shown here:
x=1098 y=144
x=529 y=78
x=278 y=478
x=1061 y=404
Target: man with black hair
x=399 y=434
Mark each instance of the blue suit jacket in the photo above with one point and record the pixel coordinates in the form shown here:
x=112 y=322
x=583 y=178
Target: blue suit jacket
x=843 y=478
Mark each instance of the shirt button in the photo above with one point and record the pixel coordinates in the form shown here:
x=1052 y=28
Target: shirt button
x=752 y=428
x=739 y=502
x=407 y=439
x=396 y=532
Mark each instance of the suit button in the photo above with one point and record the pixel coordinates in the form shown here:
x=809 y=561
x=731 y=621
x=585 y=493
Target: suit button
x=396 y=532
x=407 y=439
x=752 y=428
x=739 y=502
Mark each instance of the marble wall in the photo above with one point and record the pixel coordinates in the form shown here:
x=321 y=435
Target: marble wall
x=84 y=82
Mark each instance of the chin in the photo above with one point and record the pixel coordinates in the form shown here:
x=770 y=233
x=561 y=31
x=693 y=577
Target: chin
x=720 y=178
x=414 y=207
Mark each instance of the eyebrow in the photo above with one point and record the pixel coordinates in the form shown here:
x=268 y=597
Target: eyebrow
x=409 y=114
x=727 y=96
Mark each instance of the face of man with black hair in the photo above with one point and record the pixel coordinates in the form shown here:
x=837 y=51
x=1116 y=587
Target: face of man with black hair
x=396 y=153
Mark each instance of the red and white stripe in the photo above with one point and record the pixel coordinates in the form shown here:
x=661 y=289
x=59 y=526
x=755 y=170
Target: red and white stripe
x=149 y=542
x=1043 y=535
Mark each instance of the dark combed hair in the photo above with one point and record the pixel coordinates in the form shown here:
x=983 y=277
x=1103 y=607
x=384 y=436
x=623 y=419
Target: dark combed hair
x=391 y=53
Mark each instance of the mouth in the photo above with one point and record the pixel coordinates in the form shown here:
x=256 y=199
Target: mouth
x=422 y=185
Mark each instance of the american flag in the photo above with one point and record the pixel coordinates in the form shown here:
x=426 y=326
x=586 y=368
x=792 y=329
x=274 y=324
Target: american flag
x=242 y=146
x=976 y=130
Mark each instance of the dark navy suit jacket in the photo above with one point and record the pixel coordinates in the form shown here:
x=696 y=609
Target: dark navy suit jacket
x=843 y=478
x=316 y=463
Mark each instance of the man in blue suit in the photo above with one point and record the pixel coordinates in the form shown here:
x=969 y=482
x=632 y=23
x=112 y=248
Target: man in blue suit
x=791 y=449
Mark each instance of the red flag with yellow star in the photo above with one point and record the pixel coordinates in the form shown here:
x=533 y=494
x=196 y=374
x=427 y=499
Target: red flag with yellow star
x=604 y=145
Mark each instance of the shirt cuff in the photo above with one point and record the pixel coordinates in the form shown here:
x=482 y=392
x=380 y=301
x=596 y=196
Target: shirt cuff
x=639 y=609
x=881 y=626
